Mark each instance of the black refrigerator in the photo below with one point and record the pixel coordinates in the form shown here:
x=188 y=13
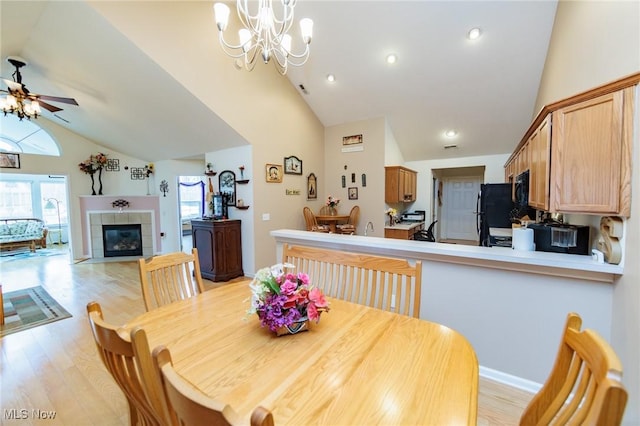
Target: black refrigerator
x=494 y=210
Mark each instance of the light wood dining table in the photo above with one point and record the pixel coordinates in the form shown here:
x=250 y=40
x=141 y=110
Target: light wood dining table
x=332 y=220
x=357 y=366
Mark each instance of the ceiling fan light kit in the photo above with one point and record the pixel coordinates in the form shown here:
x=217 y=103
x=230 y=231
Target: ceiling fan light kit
x=19 y=101
x=264 y=33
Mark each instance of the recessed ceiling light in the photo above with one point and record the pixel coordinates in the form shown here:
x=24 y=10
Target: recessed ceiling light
x=451 y=134
x=392 y=58
x=474 y=33
x=331 y=78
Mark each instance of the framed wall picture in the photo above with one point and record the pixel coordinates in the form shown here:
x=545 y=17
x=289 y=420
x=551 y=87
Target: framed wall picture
x=227 y=182
x=352 y=140
x=273 y=173
x=312 y=187
x=353 y=193
x=292 y=165
x=9 y=160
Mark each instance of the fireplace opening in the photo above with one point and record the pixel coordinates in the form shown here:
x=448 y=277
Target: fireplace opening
x=122 y=240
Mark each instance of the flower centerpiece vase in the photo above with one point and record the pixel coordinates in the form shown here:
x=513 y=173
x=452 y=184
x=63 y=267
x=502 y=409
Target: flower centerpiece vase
x=297 y=327
x=93 y=182
x=333 y=211
x=99 y=181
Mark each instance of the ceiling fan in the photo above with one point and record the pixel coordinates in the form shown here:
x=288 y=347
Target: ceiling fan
x=20 y=101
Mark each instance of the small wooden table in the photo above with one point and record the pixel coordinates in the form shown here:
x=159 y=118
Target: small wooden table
x=332 y=220
x=358 y=366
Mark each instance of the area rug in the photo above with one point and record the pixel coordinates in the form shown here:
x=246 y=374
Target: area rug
x=9 y=256
x=28 y=308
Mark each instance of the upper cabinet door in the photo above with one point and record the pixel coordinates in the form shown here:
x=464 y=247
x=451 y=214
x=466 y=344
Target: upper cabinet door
x=539 y=153
x=590 y=158
x=400 y=185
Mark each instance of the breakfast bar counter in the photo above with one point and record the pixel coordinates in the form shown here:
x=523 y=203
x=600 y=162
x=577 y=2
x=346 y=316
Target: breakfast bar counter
x=559 y=264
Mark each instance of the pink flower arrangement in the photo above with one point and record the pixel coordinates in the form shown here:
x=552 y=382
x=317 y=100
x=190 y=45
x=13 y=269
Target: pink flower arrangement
x=280 y=298
x=93 y=163
x=332 y=201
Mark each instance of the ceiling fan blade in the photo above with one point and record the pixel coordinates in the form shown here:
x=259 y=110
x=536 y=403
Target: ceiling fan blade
x=56 y=99
x=49 y=107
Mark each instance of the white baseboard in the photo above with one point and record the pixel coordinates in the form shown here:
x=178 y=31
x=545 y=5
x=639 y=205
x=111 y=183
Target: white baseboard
x=509 y=380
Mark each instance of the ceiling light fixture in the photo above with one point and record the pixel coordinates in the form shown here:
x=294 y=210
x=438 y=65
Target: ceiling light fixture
x=16 y=101
x=264 y=33
x=331 y=78
x=392 y=58
x=451 y=134
x=474 y=33
x=20 y=101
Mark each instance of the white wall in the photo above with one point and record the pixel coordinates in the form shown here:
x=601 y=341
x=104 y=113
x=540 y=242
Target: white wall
x=392 y=154
x=369 y=161
x=594 y=43
x=169 y=208
x=232 y=159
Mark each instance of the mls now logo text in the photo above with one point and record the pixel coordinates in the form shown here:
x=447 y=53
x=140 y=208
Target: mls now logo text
x=23 y=413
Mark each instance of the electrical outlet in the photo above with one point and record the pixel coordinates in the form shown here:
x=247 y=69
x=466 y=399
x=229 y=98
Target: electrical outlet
x=266 y=216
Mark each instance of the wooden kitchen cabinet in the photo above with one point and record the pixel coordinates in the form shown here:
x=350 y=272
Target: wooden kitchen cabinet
x=591 y=155
x=400 y=184
x=539 y=155
x=219 y=244
x=578 y=152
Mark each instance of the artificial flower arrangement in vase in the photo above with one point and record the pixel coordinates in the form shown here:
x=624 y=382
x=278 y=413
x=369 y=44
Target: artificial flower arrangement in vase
x=148 y=170
x=332 y=203
x=391 y=212
x=93 y=164
x=285 y=302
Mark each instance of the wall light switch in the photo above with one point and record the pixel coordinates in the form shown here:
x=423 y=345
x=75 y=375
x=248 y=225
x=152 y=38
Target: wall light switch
x=266 y=216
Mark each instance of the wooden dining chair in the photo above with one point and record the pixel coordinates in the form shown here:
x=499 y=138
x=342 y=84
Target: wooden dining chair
x=584 y=387
x=352 y=223
x=129 y=363
x=311 y=222
x=170 y=277
x=380 y=282
x=190 y=407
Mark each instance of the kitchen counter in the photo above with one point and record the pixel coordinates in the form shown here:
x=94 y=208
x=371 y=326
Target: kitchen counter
x=556 y=264
x=403 y=230
x=405 y=226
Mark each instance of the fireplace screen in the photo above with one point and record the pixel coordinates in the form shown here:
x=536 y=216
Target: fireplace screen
x=122 y=240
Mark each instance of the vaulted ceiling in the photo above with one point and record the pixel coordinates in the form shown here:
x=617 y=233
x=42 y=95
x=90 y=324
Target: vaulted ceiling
x=484 y=89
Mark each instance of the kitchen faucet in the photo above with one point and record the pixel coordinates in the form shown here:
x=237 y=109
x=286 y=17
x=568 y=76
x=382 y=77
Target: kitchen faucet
x=367 y=228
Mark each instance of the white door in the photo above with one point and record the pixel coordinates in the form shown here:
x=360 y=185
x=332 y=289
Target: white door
x=458 y=206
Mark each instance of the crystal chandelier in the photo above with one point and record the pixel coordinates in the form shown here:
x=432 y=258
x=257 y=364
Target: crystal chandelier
x=264 y=33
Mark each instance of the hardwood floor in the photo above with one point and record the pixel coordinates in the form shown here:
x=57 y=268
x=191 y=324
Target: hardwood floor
x=55 y=367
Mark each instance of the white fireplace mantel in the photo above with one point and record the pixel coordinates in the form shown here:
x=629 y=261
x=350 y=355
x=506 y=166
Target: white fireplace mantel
x=98 y=210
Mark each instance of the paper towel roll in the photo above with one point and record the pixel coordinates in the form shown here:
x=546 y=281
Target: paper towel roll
x=522 y=239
